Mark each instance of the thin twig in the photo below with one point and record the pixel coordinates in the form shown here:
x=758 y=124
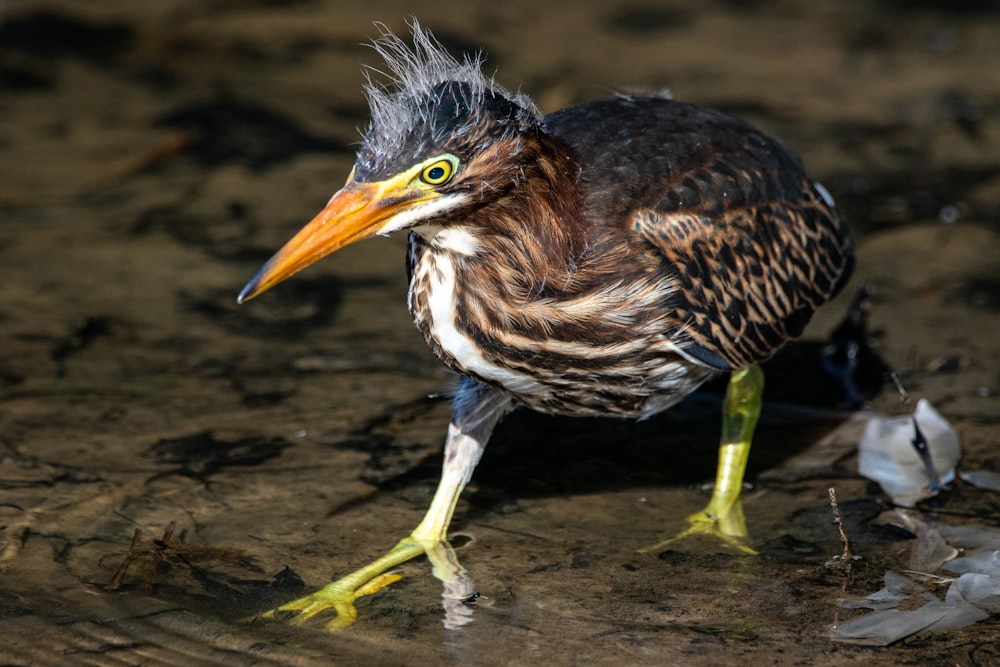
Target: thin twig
x=846 y=555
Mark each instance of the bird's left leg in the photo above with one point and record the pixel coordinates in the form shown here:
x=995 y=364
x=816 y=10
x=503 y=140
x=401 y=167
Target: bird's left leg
x=476 y=411
x=723 y=516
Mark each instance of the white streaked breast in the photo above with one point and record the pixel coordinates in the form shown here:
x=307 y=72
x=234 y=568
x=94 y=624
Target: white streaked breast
x=441 y=302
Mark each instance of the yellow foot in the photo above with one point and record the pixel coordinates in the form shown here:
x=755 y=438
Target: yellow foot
x=341 y=594
x=338 y=596
x=729 y=528
x=459 y=594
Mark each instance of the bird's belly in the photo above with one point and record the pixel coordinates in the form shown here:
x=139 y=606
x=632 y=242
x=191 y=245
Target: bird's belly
x=632 y=387
x=634 y=378
x=635 y=394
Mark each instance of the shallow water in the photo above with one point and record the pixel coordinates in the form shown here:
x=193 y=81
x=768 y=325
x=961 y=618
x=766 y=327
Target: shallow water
x=153 y=157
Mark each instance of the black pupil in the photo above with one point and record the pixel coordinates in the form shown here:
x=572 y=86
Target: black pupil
x=435 y=174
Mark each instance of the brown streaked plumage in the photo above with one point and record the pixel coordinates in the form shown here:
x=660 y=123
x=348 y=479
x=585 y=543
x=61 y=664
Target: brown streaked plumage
x=605 y=259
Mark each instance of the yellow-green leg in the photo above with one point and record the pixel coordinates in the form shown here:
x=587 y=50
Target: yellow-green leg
x=477 y=410
x=723 y=516
x=340 y=595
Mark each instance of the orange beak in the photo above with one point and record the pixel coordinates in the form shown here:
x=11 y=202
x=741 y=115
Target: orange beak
x=356 y=212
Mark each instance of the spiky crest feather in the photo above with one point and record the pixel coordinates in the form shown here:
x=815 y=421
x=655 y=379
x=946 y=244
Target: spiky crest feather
x=413 y=89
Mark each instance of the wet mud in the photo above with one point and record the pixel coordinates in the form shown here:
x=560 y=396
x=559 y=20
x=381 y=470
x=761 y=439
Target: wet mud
x=172 y=463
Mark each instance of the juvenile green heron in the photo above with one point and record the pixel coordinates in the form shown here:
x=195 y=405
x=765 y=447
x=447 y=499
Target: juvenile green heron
x=604 y=259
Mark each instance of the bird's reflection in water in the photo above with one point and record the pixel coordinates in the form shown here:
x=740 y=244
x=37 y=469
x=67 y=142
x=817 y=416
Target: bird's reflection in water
x=459 y=594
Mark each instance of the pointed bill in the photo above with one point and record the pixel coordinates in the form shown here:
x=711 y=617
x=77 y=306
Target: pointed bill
x=356 y=212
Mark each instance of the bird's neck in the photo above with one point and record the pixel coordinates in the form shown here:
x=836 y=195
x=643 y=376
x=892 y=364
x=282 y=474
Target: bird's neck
x=533 y=237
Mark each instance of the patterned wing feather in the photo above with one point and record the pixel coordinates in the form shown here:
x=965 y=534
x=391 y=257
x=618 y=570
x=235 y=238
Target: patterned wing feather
x=751 y=274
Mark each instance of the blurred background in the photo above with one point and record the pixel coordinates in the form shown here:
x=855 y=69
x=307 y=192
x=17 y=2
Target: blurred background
x=152 y=155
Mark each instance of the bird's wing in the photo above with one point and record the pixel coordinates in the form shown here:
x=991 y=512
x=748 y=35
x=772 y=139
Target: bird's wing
x=750 y=273
x=754 y=245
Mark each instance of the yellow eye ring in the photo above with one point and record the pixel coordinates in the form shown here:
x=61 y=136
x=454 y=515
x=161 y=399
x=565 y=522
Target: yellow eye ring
x=438 y=172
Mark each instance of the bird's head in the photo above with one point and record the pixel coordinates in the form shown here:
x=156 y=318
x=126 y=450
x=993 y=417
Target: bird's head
x=443 y=140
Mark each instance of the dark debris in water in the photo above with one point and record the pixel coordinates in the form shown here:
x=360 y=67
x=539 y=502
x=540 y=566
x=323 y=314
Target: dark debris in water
x=875 y=201
x=19 y=73
x=227 y=575
x=302 y=305
x=226 y=130
x=237 y=593
x=85 y=333
x=22 y=471
x=201 y=455
x=152 y=556
x=788 y=548
x=399 y=456
x=814 y=526
x=226 y=236
x=958 y=7
x=33 y=42
x=263 y=389
x=49 y=34
x=981 y=292
x=965 y=112
x=645 y=21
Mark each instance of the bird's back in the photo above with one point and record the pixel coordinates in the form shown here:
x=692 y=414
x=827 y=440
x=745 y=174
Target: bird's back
x=663 y=155
x=754 y=244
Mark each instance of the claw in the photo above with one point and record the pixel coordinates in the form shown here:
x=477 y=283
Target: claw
x=729 y=529
x=338 y=596
x=341 y=595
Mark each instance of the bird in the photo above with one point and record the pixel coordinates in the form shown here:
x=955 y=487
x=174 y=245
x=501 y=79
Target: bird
x=604 y=259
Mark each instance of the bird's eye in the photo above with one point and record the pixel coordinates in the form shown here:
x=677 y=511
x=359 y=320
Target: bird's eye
x=437 y=173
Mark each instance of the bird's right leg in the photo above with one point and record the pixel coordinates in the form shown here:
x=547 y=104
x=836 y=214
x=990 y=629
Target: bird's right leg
x=723 y=516
x=477 y=409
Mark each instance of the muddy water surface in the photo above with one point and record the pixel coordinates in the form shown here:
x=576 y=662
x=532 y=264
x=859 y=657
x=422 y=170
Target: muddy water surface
x=152 y=156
